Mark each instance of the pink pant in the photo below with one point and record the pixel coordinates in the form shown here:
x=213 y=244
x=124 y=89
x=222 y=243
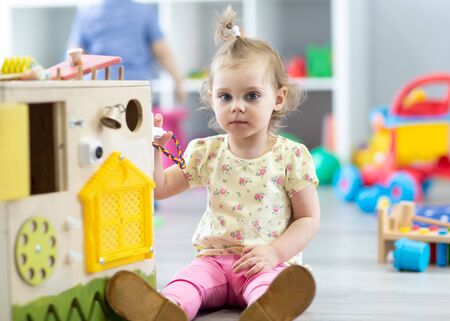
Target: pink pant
x=209 y=282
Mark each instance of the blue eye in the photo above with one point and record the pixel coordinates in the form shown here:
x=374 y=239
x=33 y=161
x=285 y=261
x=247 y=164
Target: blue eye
x=225 y=97
x=252 y=96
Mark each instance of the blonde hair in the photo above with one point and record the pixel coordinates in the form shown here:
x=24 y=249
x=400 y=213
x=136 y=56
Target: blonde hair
x=237 y=50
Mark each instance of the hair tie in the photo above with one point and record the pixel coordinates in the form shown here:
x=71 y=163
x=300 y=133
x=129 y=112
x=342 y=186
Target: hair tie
x=235 y=31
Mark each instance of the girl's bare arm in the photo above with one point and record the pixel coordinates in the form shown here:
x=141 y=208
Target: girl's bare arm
x=305 y=225
x=171 y=181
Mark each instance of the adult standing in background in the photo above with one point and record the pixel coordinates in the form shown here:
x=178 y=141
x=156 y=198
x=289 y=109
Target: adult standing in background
x=130 y=30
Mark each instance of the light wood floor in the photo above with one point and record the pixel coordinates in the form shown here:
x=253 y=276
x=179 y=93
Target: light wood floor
x=351 y=284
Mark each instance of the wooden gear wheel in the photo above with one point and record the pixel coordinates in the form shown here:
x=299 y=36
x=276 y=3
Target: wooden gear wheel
x=36 y=250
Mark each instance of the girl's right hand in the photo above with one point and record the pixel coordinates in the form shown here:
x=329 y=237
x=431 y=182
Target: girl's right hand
x=158 y=122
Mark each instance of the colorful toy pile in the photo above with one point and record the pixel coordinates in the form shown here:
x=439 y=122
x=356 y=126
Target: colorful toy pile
x=409 y=147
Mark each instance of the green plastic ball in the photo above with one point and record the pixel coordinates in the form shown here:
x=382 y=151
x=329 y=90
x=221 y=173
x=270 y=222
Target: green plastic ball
x=291 y=136
x=326 y=165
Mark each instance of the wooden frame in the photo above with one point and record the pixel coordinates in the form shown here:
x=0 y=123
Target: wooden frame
x=390 y=224
x=72 y=112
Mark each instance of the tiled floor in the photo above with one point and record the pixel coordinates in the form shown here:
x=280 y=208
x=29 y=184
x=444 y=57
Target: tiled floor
x=351 y=284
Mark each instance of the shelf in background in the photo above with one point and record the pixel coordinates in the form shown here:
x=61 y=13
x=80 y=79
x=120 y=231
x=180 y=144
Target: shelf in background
x=24 y=4
x=194 y=85
x=27 y=4
x=314 y=84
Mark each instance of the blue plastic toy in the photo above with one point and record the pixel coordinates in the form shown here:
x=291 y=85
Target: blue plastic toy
x=368 y=197
x=442 y=251
x=349 y=186
x=436 y=212
x=347 y=182
x=411 y=255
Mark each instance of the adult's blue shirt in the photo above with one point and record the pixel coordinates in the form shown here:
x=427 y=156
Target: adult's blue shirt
x=119 y=28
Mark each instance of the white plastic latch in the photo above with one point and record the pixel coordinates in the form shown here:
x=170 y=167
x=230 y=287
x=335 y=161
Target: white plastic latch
x=158 y=132
x=73 y=257
x=72 y=223
x=91 y=151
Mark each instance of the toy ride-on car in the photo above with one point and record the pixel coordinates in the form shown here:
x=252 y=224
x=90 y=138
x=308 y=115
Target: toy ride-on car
x=418 y=124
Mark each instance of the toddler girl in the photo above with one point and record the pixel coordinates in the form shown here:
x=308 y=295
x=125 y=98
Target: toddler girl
x=262 y=208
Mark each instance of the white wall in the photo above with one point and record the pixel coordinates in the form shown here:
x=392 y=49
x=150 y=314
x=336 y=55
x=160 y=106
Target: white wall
x=5 y=30
x=409 y=38
x=41 y=33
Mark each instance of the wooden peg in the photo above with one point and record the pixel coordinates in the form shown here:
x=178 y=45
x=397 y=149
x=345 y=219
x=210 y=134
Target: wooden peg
x=107 y=73
x=406 y=214
x=383 y=228
x=121 y=73
x=395 y=217
x=94 y=73
x=79 y=72
x=58 y=73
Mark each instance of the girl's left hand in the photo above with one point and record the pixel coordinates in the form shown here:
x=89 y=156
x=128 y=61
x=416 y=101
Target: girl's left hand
x=258 y=258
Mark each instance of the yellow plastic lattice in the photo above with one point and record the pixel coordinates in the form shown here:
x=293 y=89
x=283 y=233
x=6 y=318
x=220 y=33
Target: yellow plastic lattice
x=117 y=215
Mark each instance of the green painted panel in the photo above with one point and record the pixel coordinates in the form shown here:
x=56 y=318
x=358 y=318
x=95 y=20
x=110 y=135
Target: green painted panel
x=97 y=312
x=80 y=303
x=75 y=315
x=50 y=317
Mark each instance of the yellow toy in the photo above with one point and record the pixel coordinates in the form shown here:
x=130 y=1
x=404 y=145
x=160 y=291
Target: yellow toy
x=75 y=195
x=410 y=147
x=22 y=68
x=17 y=65
x=378 y=146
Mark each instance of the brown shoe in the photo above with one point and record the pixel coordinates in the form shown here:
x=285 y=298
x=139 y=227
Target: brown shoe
x=135 y=300
x=290 y=293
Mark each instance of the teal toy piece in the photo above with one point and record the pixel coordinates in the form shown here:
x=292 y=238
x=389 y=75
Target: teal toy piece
x=367 y=198
x=319 y=61
x=403 y=187
x=158 y=221
x=326 y=165
x=411 y=255
x=347 y=183
x=292 y=137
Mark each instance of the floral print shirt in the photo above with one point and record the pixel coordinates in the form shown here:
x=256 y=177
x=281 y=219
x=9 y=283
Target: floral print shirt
x=248 y=199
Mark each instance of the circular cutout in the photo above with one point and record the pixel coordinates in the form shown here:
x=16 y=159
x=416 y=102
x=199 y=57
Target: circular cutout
x=36 y=250
x=133 y=115
x=45 y=227
x=23 y=239
x=51 y=261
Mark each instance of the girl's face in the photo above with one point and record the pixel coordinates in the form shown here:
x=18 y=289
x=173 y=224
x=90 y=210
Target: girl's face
x=244 y=98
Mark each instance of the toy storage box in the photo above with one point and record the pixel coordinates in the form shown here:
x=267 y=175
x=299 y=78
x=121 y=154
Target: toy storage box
x=75 y=195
